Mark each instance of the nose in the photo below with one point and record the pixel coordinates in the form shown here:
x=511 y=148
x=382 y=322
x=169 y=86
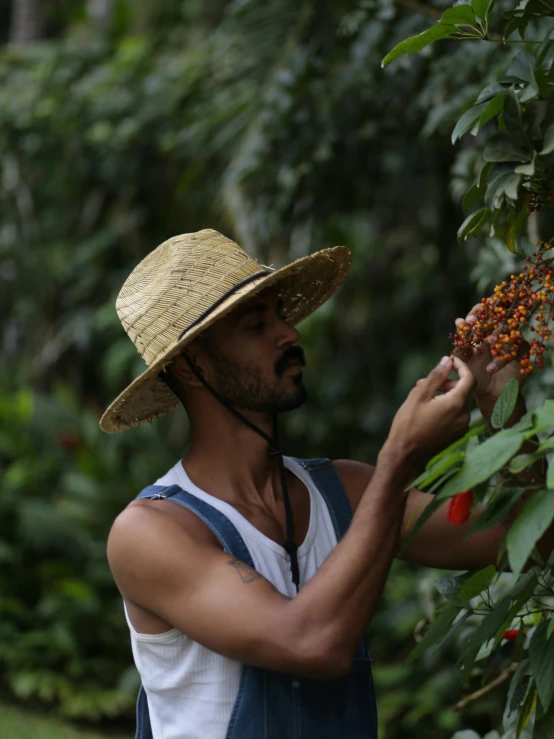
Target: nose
x=287 y=334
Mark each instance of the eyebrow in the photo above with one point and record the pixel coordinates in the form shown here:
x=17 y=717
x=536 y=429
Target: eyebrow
x=258 y=308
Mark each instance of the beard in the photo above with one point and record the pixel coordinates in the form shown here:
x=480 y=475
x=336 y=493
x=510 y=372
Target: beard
x=245 y=388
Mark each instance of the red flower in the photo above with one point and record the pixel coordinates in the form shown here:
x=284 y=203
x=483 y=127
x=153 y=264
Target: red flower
x=459 y=507
x=511 y=634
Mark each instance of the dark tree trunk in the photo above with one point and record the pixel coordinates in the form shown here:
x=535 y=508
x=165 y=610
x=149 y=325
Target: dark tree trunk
x=26 y=22
x=100 y=13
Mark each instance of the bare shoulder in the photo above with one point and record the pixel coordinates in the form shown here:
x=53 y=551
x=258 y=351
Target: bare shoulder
x=148 y=529
x=355 y=476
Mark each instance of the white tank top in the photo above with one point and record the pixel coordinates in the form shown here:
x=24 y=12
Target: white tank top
x=190 y=689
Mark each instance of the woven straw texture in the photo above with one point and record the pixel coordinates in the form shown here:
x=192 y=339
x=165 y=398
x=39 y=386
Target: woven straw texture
x=183 y=278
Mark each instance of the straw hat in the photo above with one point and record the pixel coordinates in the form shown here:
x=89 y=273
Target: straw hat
x=186 y=284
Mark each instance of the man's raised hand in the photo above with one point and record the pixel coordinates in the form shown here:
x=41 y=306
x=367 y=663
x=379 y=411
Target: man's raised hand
x=491 y=374
x=434 y=414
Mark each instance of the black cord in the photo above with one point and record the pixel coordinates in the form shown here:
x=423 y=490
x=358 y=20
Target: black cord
x=274 y=451
x=290 y=545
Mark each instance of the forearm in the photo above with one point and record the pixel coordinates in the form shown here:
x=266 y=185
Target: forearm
x=339 y=601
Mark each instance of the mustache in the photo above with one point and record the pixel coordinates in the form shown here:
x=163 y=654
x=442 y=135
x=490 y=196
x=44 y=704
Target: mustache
x=292 y=355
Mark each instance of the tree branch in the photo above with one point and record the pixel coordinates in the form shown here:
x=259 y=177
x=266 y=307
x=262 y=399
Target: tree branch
x=506 y=675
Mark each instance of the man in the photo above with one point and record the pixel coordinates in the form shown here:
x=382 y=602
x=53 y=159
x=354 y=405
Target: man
x=247 y=581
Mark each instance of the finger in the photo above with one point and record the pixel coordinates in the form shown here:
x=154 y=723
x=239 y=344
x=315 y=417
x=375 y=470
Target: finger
x=473 y=313
x=435 y=378
x=446 y=386
x=496 y=364
x=467 y=381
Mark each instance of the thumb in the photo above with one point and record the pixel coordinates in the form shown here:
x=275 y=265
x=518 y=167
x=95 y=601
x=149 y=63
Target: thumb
x=436 y=377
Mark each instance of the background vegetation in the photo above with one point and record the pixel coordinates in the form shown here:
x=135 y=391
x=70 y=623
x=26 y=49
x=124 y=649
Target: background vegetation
x=122 y=124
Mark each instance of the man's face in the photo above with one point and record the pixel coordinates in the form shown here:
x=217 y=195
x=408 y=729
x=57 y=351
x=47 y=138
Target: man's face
x=252 y=360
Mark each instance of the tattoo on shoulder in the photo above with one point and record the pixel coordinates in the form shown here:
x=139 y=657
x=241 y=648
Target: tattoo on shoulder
x=246 y=573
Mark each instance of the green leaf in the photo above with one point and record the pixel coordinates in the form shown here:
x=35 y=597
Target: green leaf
x=522 y=67
x=527 y=169
x=494 y=107
x=546 y=445
x=481 y=8
x=548 y=141
x=472 y=197
x=550 y=628
x=517 y=224
x=478 y=429
x=504 y=406
x=416 y=43
x=520 y=594
x=520 y=687
x=473 y=223
x=450 y=587
x=511 y=187
x=496 y=510
x=530 y=92
x=485 y=631
x=477 y=583
x=480 y=463
x=543 y=417
x=544 y=726
x=437 y=631
x=525 y=424
x=527 y=710
x=531 y=523
x=516 y=23
x=490 y=91
x=461 y=15
x=489 y=457
x=541 y=659
x=430 y=475
x=484 y=175
x=466 y=121
x=501 y=147
x=504 y=184
x=497 y=229
x=550 y=475
x=522 y=462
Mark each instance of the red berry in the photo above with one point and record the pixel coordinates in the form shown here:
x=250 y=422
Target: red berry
x=459 y=507
x=511 y=634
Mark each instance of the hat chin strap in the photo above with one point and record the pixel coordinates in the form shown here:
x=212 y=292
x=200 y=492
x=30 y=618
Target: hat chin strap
x=274 y=451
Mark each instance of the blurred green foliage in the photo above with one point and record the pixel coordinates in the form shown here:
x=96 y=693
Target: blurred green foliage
x=21 y=724
x=274 y=123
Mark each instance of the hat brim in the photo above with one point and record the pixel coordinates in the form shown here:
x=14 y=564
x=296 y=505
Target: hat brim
x=303 y=285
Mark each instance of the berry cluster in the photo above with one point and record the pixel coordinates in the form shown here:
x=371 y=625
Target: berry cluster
x=526 y=300
x=538 y=198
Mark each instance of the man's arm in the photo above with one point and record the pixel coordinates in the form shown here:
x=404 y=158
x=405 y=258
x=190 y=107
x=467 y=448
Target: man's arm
x=230 y=609
x=438 y=543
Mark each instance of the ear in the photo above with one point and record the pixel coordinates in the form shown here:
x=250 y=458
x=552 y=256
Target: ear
x=182 y=371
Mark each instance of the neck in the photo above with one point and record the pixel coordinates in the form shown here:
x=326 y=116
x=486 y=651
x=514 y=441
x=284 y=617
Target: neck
x=230 y=460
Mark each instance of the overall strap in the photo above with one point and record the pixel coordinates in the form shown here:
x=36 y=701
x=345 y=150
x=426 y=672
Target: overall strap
x=220 y=525
x=332 y=491
x=224 y=530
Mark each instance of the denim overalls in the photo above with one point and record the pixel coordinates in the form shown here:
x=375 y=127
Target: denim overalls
x=274 y=705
